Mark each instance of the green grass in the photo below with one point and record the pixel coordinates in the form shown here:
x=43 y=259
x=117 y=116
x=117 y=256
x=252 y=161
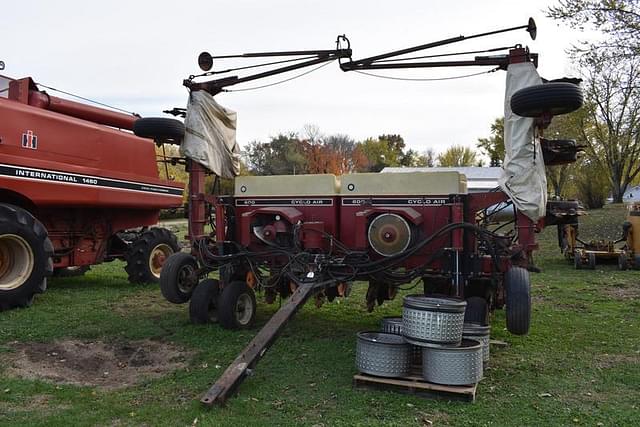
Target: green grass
x=580 y=365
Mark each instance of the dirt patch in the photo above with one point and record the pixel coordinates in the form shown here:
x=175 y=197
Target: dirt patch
x=621 y=291
x=98 y=364
x=604 y=361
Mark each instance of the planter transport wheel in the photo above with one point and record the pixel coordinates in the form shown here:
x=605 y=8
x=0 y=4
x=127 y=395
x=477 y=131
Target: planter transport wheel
x=160 y=129
x=548 y=98
x=592 y=260
x=518 y=300
x=147 y=255
x=204 y=301
x=477 y=311
x=178 y=278
x=236 y=306
x=25 y=257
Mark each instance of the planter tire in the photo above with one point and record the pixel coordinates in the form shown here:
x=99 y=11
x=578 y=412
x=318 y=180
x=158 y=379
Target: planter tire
x=592 y=260
x=159 y=129
x=25 y=257
x=148 y=253
x=477 y=311
x=204 y=302
x=549 y=98
x=177 y=279
x=237 y=306
x=518 y=300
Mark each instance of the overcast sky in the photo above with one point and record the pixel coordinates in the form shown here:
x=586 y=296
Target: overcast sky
x=135 y=54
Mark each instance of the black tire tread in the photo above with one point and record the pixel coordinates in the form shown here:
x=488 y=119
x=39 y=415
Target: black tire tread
x=160 y=128
x=227 y=302
x=202 y=296
x=518 y=300
x=170 y=270
x=554 y=98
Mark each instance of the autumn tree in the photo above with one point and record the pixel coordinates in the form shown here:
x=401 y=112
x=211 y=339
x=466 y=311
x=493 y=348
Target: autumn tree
x=612 y=109
x=458 y=155
x=284 y=154
x=617 y=20
x=386 y=150
x=493 y=146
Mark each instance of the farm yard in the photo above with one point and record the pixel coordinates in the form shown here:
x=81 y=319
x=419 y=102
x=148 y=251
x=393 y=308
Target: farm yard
x=97 y=350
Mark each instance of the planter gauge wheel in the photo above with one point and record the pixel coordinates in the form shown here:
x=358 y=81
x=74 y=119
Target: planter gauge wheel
x=236 y=306
x=178 y=277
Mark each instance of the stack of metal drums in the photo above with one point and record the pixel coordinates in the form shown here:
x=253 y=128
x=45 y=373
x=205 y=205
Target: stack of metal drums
x=430 y=333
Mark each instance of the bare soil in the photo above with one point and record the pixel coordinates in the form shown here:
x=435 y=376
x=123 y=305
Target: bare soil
x=94 y=363
x=622 y=291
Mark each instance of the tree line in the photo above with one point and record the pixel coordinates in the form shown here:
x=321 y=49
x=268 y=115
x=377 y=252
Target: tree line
x=607 y=127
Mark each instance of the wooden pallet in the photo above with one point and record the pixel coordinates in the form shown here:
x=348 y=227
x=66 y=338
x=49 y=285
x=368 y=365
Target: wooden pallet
x=414 y=384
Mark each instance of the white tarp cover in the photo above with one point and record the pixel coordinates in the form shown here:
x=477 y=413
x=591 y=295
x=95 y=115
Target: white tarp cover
x=210 y=135
x=523 y=176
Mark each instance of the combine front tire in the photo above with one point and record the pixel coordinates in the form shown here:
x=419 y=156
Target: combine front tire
x=518 y=300
x=178 y=278
x=25 y=257
x=236 y=306
x=147 y=255
x=204 y=302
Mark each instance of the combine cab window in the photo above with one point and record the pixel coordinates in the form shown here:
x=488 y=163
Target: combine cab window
x=4 y=86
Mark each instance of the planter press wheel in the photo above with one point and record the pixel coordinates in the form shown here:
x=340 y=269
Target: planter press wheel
x=554 y=98
x=178 y=279
x=477 y=311
x=237 y=306
x=518 y=300
x=204 y=302
x=622 y=261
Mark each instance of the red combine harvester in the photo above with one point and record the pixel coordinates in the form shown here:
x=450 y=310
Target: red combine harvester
x=76 y=189
x=298 y=236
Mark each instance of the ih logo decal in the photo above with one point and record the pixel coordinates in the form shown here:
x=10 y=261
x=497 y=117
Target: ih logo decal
x=29 y=140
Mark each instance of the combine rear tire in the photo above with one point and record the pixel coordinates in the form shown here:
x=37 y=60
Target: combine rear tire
x=237 y=306
x=518 y=299
x=25 y=257
x=549 y=98
x=204 y=302
x=160 y=129
x=178 y=280
x=477 y=311
x=147 y=255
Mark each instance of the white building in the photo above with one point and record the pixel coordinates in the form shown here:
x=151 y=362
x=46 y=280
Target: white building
x=479 y=179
